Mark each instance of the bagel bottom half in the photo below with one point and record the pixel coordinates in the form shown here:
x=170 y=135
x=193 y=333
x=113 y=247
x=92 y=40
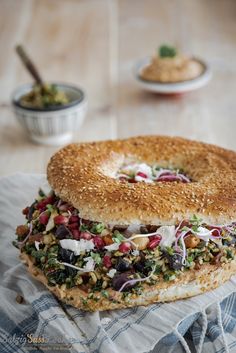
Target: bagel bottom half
x=186 y=285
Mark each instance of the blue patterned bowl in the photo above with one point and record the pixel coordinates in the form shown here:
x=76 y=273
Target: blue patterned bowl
x=51 y=126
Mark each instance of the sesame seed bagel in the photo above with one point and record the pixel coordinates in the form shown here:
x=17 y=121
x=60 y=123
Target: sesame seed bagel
x=84 y=175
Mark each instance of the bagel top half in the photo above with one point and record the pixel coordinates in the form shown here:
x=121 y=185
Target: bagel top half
x=84 y=175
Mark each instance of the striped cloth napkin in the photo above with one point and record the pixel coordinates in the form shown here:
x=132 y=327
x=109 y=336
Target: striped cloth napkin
x=33 y=320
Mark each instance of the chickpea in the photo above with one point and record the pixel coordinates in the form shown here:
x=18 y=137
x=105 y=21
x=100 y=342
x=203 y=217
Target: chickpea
x=141 y=242
x=79 y=280
x=104 y=284
x=105 y=232
x=47 y=239
x=191 y=241
x=93 y=277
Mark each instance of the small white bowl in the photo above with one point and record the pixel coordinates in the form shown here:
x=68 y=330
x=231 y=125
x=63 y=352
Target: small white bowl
x=55 y=125
x=172 y=88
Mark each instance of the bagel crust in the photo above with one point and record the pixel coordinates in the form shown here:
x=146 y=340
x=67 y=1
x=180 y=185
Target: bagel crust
x=84 y=175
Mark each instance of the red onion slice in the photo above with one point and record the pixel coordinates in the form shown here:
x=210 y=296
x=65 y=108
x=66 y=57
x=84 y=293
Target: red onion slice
x=136 y=280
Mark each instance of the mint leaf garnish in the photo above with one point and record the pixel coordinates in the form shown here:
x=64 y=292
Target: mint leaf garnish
x=166 y=51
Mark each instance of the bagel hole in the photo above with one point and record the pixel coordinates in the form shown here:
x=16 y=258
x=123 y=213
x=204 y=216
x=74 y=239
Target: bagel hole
x=150 y=173
x=131 y=169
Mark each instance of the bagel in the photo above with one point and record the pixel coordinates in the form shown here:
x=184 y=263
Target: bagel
x=84 y=175
x=133 y=222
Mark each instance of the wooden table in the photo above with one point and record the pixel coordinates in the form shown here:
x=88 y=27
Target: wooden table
x=94 y=44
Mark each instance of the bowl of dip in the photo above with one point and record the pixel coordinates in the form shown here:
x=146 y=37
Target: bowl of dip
x=50 y=114
x=171 y=72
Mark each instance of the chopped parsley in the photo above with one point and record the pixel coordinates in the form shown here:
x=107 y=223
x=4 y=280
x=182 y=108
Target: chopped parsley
x=118 y=237
x=96 y=257
x=105 y=293
x=169 y=276
x=166 y=51
x=83 y=227
x=50 y=208
x=195 y=222
x=97 y=228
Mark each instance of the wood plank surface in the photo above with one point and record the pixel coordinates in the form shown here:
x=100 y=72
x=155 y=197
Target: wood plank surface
x=95 y=44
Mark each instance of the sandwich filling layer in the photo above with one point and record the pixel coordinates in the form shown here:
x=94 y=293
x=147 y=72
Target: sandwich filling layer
x=98 y=257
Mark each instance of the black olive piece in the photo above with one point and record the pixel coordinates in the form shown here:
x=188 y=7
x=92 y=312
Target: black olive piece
x=41 y=193
x=165 y=254
x=151 y=228
x=57 y=276
x=143 y=230
x=62 y=232
x=87 y=223
x=142 y=267
x=71 y=271
x=31 y=211
x=120 y=278
x=122 y=265
x=142 y=256
x=85 y=278
x=216 y=258
x=175 y=262
x=119 y=228
x=139 y=266
x=66 y=255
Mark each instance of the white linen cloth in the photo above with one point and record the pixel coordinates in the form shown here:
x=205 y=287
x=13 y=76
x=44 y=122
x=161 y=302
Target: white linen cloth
x=138 y=329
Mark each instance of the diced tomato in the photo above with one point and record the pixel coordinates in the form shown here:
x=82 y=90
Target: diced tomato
x=125 y=247
x=76 y=234
x=85 y=235
x=43 y=218
x=73 y=226
x=107 y=261
x=60 y=219
x=98 y=242
x=154 y=242
x=43 y=203
x=74 y=219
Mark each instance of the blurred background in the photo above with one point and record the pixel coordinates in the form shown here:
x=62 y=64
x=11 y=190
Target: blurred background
x=95 y=44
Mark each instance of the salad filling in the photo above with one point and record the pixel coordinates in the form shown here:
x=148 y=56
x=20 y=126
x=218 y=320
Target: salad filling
x=142 y=172
x=96 y=257
x=48 y=95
